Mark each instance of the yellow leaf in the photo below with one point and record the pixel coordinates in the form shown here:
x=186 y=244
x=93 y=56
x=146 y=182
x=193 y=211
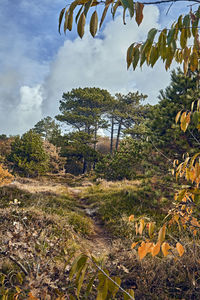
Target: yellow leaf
x=161 y=234
x=165 y=248
x=151 y=229
x=70 y=20
x=155 y=249
x=133 y=245
x=81 y=25
x=180 y=249
x=141 y=228
x=66 y=21
x=178 y=116
x=94 y=23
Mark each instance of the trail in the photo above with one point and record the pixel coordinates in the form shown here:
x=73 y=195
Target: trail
x=100 y=241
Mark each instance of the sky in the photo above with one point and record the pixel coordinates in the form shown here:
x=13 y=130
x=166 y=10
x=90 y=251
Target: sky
x=37 y=64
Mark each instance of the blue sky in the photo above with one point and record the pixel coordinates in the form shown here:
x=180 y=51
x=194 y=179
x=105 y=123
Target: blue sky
x=37 y=64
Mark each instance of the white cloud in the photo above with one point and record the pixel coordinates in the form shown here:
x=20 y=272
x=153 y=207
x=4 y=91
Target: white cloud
x=101 y=62
x=29 y=108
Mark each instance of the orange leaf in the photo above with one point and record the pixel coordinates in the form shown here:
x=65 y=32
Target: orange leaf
x=165 y=248
x=131 y=218
x=136 y=228
x=133 y=245
x=156 y=249
x=180 y=249
x=139 y=12
x=31 y=297
x=144 y=249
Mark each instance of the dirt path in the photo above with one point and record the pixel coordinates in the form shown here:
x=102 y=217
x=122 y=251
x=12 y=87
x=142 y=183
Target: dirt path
x=100 y=241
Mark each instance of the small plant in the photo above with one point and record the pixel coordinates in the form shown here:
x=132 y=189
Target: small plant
x=80 y=224
x=5 y=176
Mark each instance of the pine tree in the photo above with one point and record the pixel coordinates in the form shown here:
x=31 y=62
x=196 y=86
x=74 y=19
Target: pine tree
x=28 y=155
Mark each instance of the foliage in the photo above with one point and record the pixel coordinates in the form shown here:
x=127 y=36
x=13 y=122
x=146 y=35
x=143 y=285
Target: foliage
x=48 y=129
x=56 y=162
x=5 y=176
x=28 y=155
x=82 y=108
x=80 y=224
x=163 y=131
x=79 y=151
x=162 y=43
x=123 y=163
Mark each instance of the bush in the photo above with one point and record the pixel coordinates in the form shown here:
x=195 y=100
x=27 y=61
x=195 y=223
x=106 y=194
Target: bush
x=124 y=162
x=28 y=155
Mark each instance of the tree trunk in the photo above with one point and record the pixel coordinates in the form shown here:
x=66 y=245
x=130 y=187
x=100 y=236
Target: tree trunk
x=118 y=134
x=84 y=166
x=111 y=135
x=95 y=142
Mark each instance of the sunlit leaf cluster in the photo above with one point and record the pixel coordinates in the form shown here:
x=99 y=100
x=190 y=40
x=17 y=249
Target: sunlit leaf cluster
x=152 y=242
x=78 y=10
x=169 y=44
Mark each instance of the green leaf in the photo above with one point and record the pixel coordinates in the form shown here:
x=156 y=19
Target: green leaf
x=79 y=262
x=162 y=44
x=154 y=56
x=136 y=57
x=183 y=38
x=131 y=292
x=186 y=24
x=113 y=288
x=80 y=281
x=94 y=24
x=129 y=56
x=81 y=25
x=89 y=286
x=170 y=36
x=151 y=35
x=102 y=289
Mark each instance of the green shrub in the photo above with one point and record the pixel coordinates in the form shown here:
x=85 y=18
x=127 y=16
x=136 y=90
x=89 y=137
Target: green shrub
x=80 y=224
x=28 y=155
x=124 y=162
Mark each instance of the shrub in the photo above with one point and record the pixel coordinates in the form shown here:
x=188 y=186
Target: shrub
x=5 y=176
x=123 y=164
x=28 y=155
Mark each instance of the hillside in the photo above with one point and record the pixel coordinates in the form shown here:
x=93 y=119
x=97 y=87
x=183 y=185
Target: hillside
x=58 y=218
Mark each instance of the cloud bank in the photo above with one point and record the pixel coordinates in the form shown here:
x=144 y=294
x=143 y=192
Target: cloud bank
x=33 y=87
